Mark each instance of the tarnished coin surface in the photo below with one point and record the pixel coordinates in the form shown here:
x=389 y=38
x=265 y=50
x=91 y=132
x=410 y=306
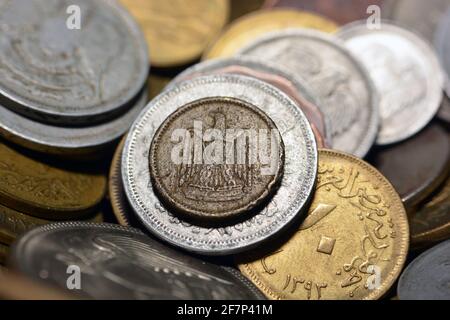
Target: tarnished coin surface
x=407 y=75
x=287 y=82
x=346 y=91
x=122 y=263
x=284 y=207
x=251 y=26
x=178 y=32
x=428 y=276
x=56 y=71
x=356 y=227
x=216 y=158
x=443 y=47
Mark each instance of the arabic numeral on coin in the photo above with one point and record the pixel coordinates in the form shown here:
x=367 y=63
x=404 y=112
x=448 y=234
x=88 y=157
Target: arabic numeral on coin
x=73 y=22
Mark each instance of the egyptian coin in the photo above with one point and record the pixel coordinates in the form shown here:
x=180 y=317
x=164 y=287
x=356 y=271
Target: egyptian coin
x=407 y=75
x=417 y=166
x=205 y=159
x=346 y=91
x=67 y=141
x=356 y=230
x=122 y=263
x=251 y=26
x=284 y=207
x=285 y=81
x=67 y=69
x=443 y=47
x=428 y=276
x=177 y=32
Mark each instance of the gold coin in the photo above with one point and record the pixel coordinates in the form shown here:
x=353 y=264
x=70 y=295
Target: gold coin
x=178 y=31
x=252 y=26
x=46 y=190
x=352 y=244
x=156 y=84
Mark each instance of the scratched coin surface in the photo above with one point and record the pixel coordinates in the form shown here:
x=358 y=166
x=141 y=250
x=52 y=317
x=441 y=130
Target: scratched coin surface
x=356 y=230
x=346 y=91
x=177 y=32
x=284 y=207
x=53 y=73
x=428 y=276
x=216 y=158
x=122 y=263
x=287 y=82
x=252 y=26
x=407 y=75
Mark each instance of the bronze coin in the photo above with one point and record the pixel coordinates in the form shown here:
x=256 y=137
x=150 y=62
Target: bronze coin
x=216 y=158
x=416 y=167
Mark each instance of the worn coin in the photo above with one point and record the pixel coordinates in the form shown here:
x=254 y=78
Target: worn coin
x=65 y=141
x=417 y=166
x=428 y=276
x=286 y=205
x=443 y=47
x=346 y=91
x=287 y=82
x=177 y=32
x=122 y=263
x=251 y=26
x=356 y=228
x=55 y=71
x=406 y=73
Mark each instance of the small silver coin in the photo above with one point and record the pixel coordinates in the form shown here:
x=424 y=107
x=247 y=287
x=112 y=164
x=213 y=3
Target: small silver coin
x=54 y=70
x=407 y=75
x=345 y=89
x=442 y=39
x=121 y=263
x=284 y=207
x=67 y=141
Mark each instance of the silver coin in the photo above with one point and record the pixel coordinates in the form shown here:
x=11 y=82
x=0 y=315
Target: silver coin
x=257 y=65
x=345 y=89
x=406 y=73
x=122 y=263
x=67 y=141
x=443 y=47
x=53 y=73
x=285 y=206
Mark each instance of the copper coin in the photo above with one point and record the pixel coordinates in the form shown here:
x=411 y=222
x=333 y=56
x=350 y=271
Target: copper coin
x=216 y=158
x=416 y=167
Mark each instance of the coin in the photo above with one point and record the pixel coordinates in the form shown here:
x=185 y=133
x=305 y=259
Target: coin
x=334 y=75
x=54 y=73
x=122 y=263
x=283 y=209
x=251 y=26
x=417 y=166
x=352 y=244
x=406 y=73
x=47 y=190
x=264 y=71
x=178 y=33
x=67 y=141
x=443 y=48
x=427 y=277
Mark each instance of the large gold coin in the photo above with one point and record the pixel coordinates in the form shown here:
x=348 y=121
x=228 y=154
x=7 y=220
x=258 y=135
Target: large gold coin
x=352 y=244
x=47 y=190
x=252 y=26
x=178 y=31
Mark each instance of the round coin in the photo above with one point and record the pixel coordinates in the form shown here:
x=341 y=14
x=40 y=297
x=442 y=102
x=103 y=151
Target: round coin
x=122 y=263
x=428 y=276
x=356 y=229
x=406 y=73
x=251 y=26
x=177 y=32
x=286 y=205
x=346 y=91
x=69 y=69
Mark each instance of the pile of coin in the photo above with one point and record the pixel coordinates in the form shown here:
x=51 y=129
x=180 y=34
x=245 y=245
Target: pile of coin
x=286 y=153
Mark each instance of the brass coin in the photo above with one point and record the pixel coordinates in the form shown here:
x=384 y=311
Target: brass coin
x=216 y=158
x=46 y=190
x=251 y=26
x=177 y=32
x=352 y=245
